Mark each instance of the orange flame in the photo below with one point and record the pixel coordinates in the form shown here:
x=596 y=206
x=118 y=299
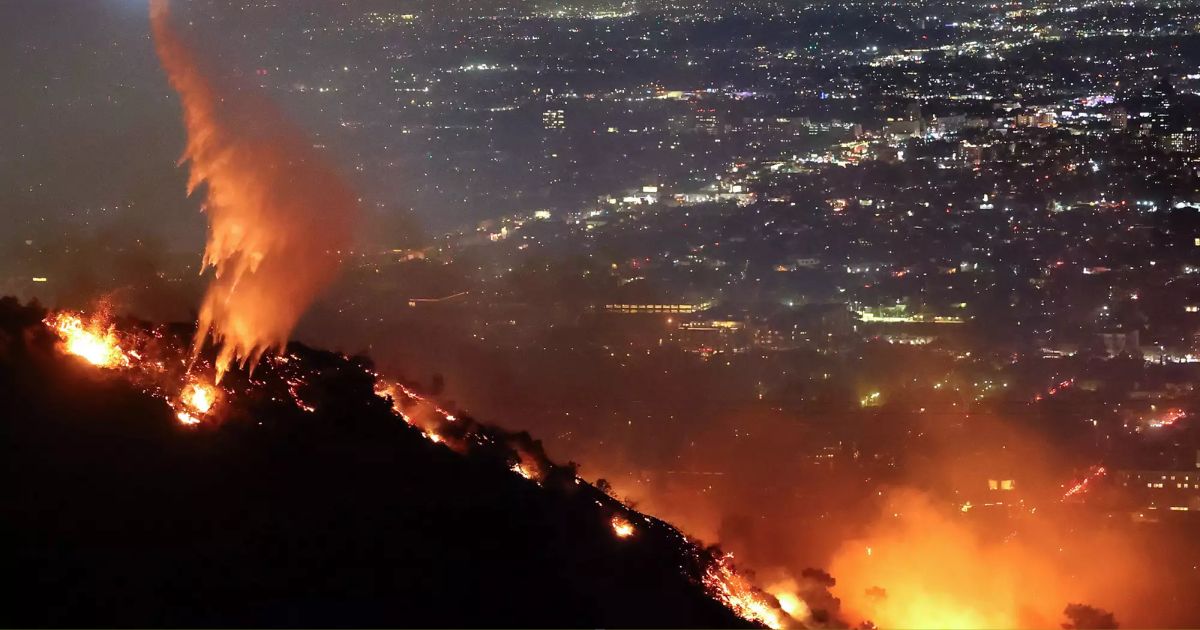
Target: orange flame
x=792 y=604
x=196 y=402
x=735 y=591
x=523 y=470
x=622 y=527
x=94 y=342
x=200 y=397
x=279 y=217
x=929 y=567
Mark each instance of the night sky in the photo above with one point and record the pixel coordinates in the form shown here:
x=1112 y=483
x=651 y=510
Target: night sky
x=91 y=136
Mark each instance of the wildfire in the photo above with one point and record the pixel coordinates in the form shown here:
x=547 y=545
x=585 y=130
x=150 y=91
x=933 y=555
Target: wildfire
x=200 y=397
x=1083 y=485
x=431 y=420
x=97 y=342
x=195 y=402
x=522 y=470
x=1055 y=390
x=726 y=586
x=187 y=418
x=279 y=216
x=1168 y=418
x=720 y=580
x=93 y=342
x=197 y=399
x=791 y=604
x=622 y=527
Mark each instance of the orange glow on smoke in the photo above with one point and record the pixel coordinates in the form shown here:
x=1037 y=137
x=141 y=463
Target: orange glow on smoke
x=528 y=466
x=923 y=565
x=791 y=604
x=929 y=572
x=94 y=342
x=279 y=216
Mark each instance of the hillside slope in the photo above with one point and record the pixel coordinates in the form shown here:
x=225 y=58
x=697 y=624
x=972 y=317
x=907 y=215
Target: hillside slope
x=116 y=514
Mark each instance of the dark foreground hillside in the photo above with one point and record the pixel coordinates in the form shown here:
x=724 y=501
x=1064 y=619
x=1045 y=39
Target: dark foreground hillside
x=113 y=514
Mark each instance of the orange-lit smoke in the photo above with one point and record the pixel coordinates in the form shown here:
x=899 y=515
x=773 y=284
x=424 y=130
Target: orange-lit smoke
x=279 y=216
x=925 y=565
x=905 y=557
x=1015 y=560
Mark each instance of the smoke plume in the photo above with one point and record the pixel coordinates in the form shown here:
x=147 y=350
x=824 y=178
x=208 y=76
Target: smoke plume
x=279 y=216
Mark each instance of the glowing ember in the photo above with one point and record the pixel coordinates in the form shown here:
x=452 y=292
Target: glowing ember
x=93 y=342
x=733 y=590
x=293 y=391
x=428 y=424
x=195 y=402
x=187 y=418
x=200 y=397
x=621 y=527
x=520 y=469
x=1168 y=418
x=1055 y=389
x=1082 y=486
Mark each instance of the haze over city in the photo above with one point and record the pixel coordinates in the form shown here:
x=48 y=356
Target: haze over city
x=591 y=313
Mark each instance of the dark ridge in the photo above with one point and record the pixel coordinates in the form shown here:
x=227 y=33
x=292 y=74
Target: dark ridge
x=115 y=515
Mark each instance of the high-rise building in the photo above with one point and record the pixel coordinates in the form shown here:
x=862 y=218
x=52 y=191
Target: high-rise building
x=1183 y=141
x=554 y=119
x=1118 y=117
x=707 y=121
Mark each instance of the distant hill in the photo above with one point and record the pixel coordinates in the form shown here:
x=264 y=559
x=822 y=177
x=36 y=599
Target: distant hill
x=114 y=514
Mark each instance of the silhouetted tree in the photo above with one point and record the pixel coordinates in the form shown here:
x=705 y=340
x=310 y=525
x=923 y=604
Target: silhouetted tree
x=1084 y=617
x=820 y=577
x=814 y=589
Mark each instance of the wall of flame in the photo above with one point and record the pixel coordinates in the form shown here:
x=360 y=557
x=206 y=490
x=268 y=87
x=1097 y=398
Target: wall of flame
x=280 y=217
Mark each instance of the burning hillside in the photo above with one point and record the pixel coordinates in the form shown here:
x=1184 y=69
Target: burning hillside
x=310 y=493
x=294 y=492
x=157 y=484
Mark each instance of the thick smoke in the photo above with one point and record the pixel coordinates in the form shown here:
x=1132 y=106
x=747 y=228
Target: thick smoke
x=279 y=215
